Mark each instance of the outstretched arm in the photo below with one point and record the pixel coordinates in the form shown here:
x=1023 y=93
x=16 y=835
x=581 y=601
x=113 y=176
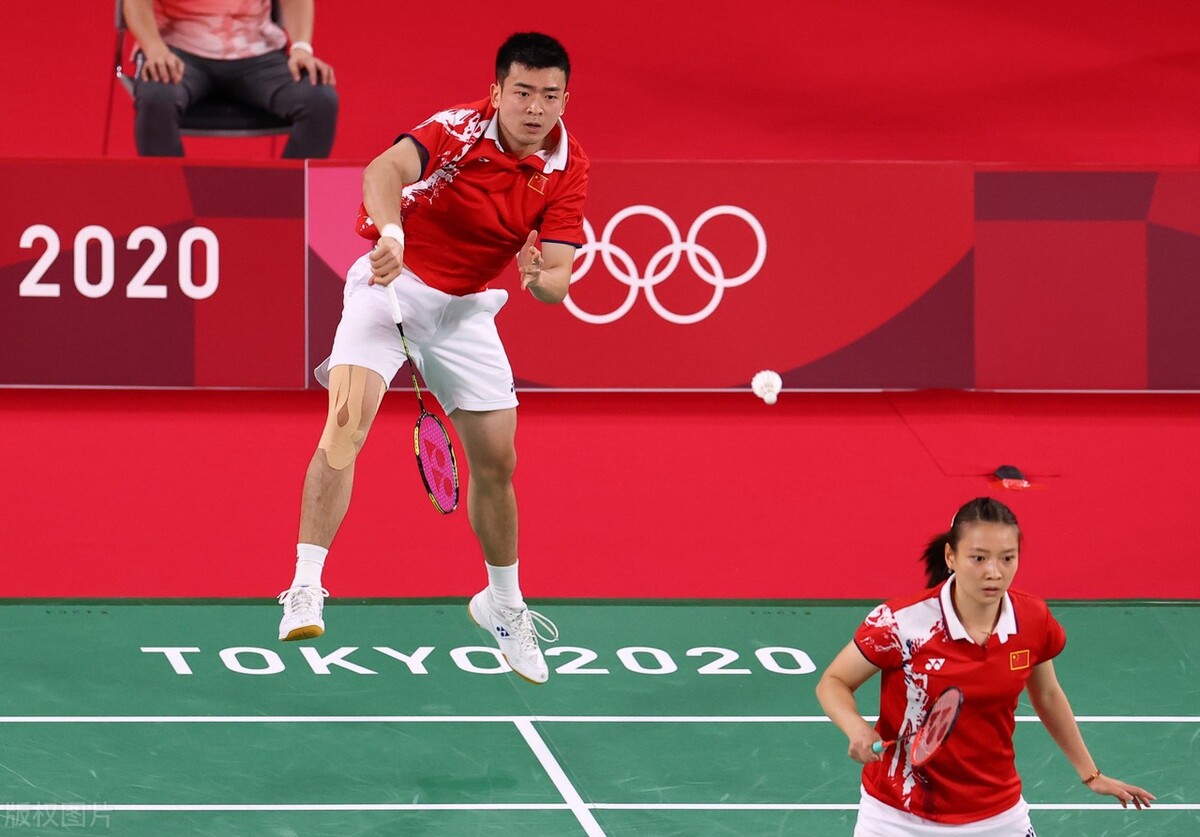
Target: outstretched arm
x=546 y=273
x=1051 y=704
x=835 y=691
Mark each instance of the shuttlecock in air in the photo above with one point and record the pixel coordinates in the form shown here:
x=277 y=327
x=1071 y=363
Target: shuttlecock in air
x=766 y=385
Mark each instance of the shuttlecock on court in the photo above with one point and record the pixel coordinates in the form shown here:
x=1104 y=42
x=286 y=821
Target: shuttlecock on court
x=766 y=385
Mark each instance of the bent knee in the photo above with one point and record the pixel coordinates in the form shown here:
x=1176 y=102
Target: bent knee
x=341 y=442
x=157 y=98
x=311 y=101
x=496 y=469
x=354 y=397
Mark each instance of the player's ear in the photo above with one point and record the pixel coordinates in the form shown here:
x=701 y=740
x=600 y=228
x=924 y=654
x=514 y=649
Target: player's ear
x=495 y=93
x=566 y=98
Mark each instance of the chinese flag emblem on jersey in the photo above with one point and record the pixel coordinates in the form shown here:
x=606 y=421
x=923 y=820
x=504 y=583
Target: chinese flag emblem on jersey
x=1018 y=660
x=537 y=182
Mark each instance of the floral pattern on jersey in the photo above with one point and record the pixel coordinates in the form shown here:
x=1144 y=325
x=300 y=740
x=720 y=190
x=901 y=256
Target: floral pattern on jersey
x=465 y=126
x=906 y=634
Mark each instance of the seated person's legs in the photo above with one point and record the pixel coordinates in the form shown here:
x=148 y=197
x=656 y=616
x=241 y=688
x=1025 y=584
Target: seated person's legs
x=160 y=106
x=312 y=109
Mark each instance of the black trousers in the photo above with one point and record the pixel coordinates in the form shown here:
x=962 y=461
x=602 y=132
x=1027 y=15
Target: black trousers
x=264 y=81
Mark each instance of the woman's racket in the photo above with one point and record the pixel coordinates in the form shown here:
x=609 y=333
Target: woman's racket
x=431 y=442
x=939 y=723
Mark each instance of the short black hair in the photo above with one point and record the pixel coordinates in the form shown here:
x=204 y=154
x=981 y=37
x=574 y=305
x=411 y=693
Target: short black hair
x=533 y=50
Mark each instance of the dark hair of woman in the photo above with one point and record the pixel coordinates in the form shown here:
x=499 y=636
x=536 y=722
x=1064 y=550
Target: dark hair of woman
x=979 y=510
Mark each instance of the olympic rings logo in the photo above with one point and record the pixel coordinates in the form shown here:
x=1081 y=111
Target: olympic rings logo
x=663 y=263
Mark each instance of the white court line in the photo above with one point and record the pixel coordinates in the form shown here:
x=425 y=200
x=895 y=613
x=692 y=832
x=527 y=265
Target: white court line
x=512 y=719
x=1103 y=806
x=1127 y=719
x=524 y=723
x=102 y=807
x=559 y=777
x=846 y=806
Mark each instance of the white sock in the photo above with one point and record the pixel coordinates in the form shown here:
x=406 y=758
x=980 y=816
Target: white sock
x=310 y=559
x=505 y=589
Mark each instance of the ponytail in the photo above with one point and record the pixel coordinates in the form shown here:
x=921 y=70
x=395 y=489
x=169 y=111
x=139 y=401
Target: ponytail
x=936 y=570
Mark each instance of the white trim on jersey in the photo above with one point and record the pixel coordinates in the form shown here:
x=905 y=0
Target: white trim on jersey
x=1006 y=625
x=556 y=160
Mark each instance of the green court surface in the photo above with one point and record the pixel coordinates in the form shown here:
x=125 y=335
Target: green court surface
x=680 y=718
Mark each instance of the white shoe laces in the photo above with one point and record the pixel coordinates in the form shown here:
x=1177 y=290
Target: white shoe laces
x=530 y=626
x=303 y=599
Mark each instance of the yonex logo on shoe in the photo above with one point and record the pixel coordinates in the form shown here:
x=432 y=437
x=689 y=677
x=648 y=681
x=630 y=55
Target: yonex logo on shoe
x=500 y=630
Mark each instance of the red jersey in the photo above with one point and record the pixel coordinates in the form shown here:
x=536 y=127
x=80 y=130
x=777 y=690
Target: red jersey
x=475 y=204
x=922 y=647
x=220 y=29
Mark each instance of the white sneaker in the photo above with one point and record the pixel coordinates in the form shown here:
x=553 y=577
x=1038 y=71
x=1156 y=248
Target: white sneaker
x=302 y=609
x=517 y=633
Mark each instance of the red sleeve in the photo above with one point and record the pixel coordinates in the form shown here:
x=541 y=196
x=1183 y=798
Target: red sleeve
x=878 y=639
x=431 y=139
x=364 y=226
x=1055 y=638
x=562 y=222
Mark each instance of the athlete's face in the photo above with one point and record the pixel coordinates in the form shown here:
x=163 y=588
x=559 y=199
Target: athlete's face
x=529 y=103
x=984 y=561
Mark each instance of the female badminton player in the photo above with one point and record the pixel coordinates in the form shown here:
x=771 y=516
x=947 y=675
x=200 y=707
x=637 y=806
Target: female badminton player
x=971 y=631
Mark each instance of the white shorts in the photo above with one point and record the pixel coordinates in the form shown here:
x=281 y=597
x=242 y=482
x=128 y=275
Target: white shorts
x=452 y=339
x=877 y=819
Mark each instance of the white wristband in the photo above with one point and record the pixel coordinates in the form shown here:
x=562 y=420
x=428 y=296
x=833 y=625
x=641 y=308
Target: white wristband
x=393 y=231
x=305 y=45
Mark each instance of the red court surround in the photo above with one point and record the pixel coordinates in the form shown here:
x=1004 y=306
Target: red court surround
x=195 y=494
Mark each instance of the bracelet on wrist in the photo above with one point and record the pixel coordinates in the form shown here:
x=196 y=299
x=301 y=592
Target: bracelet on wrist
x=393 y=231
x=304 y=45
x=1095 y=775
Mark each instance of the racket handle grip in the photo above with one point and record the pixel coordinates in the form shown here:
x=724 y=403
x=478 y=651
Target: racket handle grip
x=879 y=746
x=394 y=302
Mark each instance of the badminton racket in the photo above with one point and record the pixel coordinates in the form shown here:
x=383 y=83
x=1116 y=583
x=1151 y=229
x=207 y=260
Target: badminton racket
x=939 y=723
x=435 y=455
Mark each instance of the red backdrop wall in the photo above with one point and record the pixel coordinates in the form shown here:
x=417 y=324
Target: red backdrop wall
x=837 y=275
x=1021 y=81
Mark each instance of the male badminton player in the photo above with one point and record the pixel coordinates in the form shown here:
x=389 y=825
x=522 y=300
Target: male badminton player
x=449 y=205
x=968 y=630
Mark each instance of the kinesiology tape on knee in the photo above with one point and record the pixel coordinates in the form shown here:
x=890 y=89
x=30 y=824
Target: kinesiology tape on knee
x=344 y=429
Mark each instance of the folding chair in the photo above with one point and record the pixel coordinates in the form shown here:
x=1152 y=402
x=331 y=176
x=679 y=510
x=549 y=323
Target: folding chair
x=213 y=116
